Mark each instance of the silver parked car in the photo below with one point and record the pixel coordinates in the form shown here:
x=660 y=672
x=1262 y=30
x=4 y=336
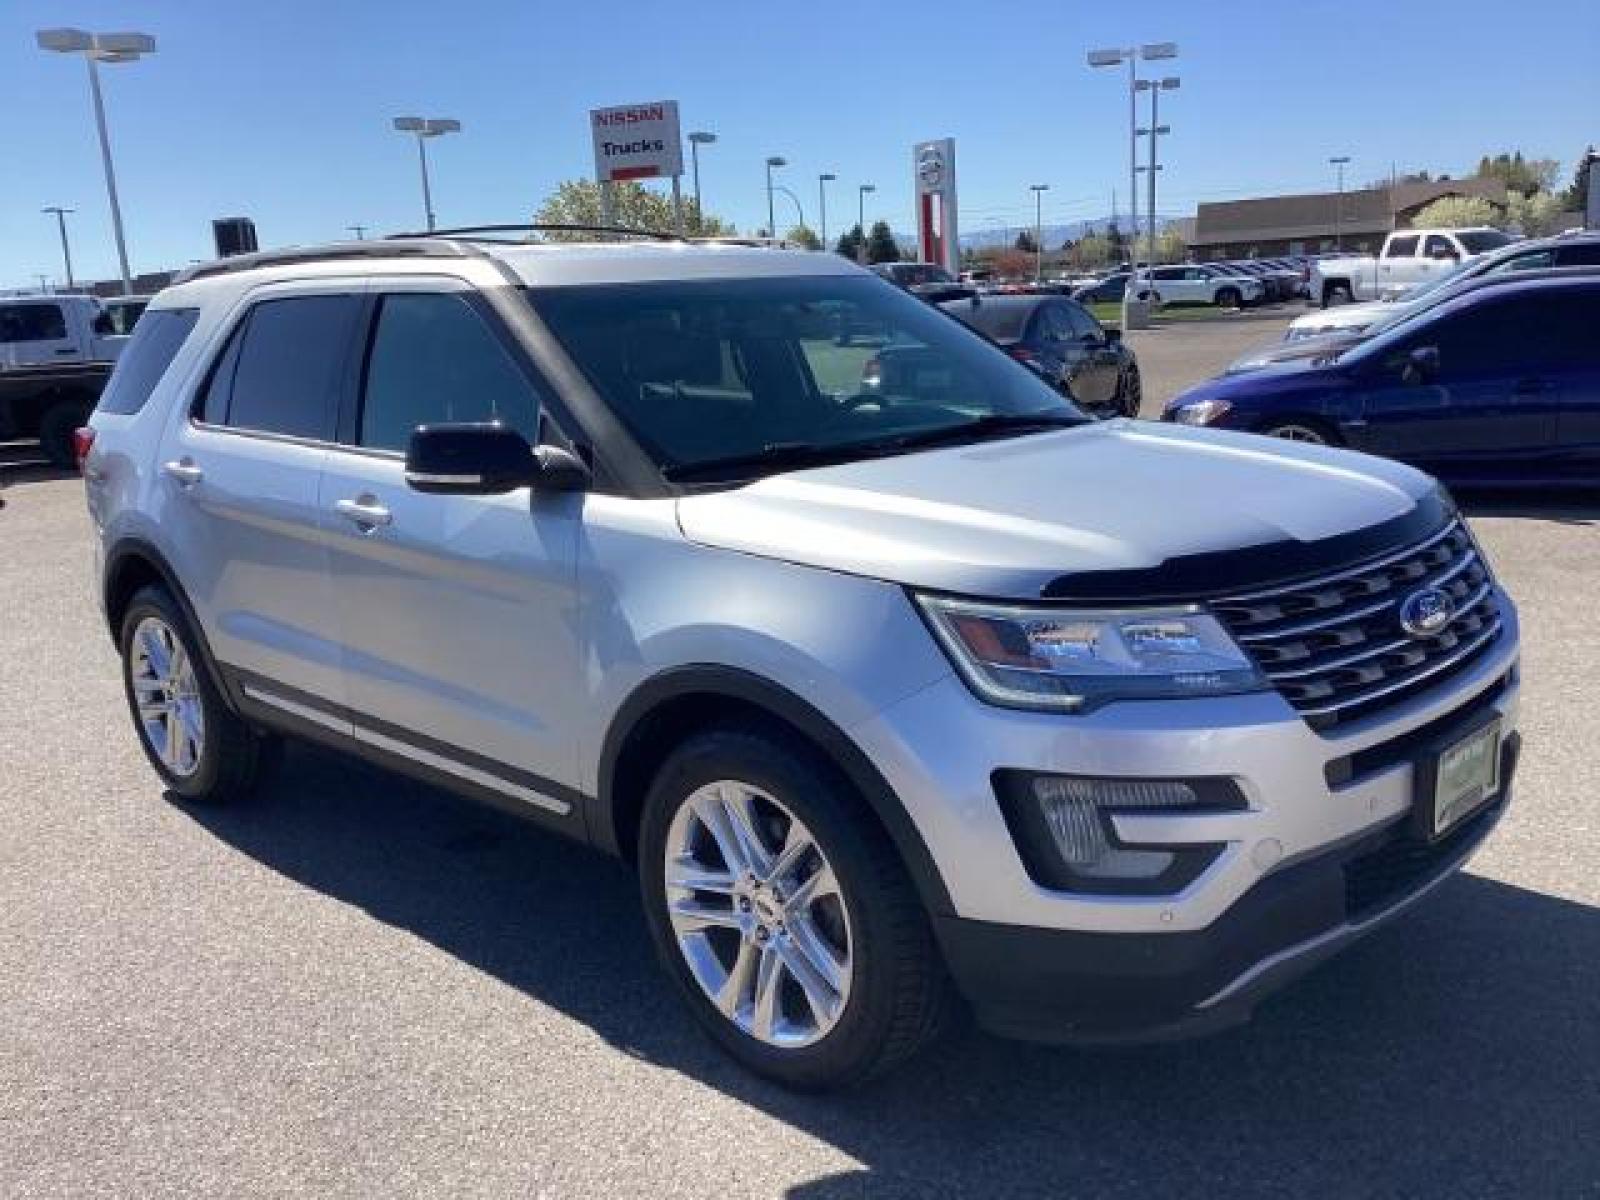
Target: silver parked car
x=892 y=696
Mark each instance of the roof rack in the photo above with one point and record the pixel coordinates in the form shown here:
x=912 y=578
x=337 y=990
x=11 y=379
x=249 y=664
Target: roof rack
x=469 y=231
x=437 y=248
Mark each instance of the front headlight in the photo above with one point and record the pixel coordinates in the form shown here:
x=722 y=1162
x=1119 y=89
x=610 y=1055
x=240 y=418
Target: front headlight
x=1074 y=660
x=1200 y=412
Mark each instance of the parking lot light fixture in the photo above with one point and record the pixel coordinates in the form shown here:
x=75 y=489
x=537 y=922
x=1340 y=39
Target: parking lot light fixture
x=99 y=48
x=1038 y=190
x=1339 y=162
x=776 y=160
x=823 y=181
x=423 y=128
x=697 y=139
x=861 y=219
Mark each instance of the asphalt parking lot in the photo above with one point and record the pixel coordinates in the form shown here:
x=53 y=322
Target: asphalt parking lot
x=356 y=985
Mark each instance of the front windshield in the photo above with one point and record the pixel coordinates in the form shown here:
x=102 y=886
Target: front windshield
x=710 y=370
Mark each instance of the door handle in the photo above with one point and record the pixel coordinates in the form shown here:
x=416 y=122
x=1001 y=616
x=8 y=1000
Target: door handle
x=365 y=512
x=184 y=471
x=66 y=349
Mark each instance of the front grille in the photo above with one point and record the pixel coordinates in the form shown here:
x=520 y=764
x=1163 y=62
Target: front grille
x=1334 y=646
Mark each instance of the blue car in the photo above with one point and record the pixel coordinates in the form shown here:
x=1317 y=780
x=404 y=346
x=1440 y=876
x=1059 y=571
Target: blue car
x=1499 y=386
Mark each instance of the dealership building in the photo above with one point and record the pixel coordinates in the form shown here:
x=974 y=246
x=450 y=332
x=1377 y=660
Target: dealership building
x=1355 y=220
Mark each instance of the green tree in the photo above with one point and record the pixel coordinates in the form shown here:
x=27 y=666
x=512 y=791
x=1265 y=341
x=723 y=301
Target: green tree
x=1457 y=212
x=1118 y=240
x=881 y=246
x=849 y=243
x=1025 y=242
x=1170 y=246
x=1536 y=215
x=803 y=237
x=1520 y=174
x=577 y=202
x=1576 y=197
x=1091 y=251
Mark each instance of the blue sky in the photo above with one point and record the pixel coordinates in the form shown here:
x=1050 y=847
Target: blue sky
x=280 y=110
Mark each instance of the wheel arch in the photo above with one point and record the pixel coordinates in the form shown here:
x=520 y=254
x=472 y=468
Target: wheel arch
x=674 y=704
x=134 y=563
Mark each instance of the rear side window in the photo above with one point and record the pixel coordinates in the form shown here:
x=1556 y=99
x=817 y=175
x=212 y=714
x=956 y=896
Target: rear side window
x=1401 y=247
x=32 y=323
x=281 y=370
x=145 y=359
x=1584 y=254
x=433 y=359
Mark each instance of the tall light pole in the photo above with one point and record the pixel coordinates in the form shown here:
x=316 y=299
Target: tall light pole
x=823 y=181
x=1156 y=130
x=775 y=160
x=1339 y=161
x=359 y=230
x=861 y=218
x=697 y=139
x=1150 y=52
x=1038 y=190
x=61 y=225
x=99 y=48
x=793 y=199
x=424 y=128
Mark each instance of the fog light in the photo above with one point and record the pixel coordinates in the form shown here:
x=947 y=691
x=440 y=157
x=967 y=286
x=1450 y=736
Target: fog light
x=1063 y=831
x=1072 y=811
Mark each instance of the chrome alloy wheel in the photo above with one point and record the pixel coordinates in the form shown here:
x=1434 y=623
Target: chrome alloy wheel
x=758 y=914
x=167 y=696
x=1299 y=433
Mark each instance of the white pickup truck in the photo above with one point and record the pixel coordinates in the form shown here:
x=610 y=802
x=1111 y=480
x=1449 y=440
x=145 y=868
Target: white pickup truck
x=1409 y=257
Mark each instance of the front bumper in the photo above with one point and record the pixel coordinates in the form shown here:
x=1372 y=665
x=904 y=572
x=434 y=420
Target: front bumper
x=1060 y=986
x=1322 y=811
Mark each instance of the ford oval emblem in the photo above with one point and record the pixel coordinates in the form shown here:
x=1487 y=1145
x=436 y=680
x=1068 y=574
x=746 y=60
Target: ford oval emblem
x=1426 y=613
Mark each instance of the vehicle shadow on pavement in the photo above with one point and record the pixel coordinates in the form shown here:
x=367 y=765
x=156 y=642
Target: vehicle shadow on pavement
x=1455 y=1054
x=1568 y=506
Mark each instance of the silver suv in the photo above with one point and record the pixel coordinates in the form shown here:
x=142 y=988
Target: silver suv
x=895 y=693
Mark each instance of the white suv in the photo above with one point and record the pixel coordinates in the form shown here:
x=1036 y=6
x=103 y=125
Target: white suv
x=1114 y=726
x=1201 y=285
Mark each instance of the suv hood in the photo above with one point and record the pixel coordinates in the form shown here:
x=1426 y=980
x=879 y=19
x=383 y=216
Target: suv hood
x=1006 y=519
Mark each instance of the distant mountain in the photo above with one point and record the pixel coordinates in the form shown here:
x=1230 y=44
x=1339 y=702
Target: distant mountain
x=1054 y=235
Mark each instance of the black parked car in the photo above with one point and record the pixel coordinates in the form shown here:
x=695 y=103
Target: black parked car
x=1108 y=290
x=1058 y=338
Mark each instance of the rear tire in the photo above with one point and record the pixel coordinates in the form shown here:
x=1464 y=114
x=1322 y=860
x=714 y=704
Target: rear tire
x=202 y=750
x=888 y=996
x=1230 y=297
x=1335 y=294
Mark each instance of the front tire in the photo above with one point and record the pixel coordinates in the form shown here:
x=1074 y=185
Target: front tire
x=201 y=749
x=1130 y=394
x=1336 y=294
x=1308 y=432
x=783 y=913
x=1230 y=297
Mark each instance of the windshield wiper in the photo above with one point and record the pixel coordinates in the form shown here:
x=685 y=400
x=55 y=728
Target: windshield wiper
x=986 y=426
x=776 y=455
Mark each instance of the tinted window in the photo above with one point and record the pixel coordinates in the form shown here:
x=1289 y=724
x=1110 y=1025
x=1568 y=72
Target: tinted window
x=289 y=360
x=124 y=317
x=32 y=323
x=1513 y=334
x=1481 y=241
x=1169 y=273
x=145 y=359
x=433 y=359
x=1083 y=325
x=1002 y=319
x=1401 y=247
x=1439 y=247
x=1584 y=254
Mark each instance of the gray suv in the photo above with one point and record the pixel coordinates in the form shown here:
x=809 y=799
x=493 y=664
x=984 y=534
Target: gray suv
x=899 y=698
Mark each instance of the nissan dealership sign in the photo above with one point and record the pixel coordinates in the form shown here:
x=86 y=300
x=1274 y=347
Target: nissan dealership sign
x=636 y=141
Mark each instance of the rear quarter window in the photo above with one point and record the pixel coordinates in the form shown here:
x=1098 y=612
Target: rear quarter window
x=155 y=342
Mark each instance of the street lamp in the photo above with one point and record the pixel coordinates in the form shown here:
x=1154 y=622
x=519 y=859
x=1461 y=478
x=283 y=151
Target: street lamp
x=861 y=218
x=61 y=224
x=423 y=129
x=1038 y=190
x=1339 y=162
x=795 y=200
x=99 y=48
x=1156 y=130
x=823 y=181
x=1150 y=52
x=776 y=160
x=697 y=139
x=359 y=230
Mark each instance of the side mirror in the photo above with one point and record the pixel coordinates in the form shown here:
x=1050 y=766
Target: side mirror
x=469 y=459
x=1421 y=365
x=560 y=470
